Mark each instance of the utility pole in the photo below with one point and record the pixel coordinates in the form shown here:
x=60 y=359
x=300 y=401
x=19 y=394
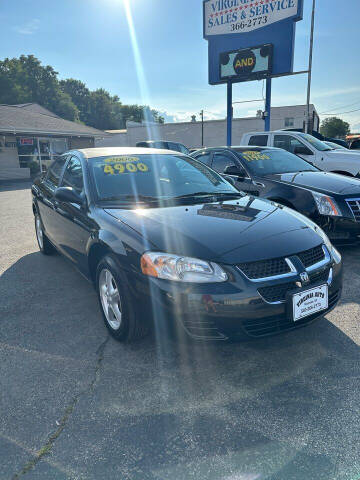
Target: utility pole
x=202 y=127
x=310 y=68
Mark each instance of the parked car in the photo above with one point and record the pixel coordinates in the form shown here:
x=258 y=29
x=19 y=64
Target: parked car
x=309 y=148
x=354 y=144
x=319 y=136
x=336 y=146
x=175 y=146
x=164 y=237
x=330 y=200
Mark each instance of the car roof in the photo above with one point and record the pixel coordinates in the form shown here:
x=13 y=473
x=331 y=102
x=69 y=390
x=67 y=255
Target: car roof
x=286 y=132
x=108 y=151
x=240 y=148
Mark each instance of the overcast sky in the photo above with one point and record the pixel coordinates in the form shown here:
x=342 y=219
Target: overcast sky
x=90 y=40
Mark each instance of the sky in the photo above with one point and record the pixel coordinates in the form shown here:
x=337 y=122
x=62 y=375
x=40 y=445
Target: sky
x=153 y=52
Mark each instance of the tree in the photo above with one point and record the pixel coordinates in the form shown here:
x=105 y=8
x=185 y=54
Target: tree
x=25 y=80
x=334 y=127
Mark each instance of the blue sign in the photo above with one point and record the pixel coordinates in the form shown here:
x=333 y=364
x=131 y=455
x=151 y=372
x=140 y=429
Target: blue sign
x=231 y=25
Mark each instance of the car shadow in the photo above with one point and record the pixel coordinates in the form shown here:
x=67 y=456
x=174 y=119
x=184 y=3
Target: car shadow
x=277 y=408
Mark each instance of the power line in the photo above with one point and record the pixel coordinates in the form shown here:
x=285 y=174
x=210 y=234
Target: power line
x=340 y=113
x=339 y=108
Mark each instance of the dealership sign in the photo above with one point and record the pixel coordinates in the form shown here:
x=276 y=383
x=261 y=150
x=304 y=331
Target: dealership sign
x=234 y=25
x=224 y=17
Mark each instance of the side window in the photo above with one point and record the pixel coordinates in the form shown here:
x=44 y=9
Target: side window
x=282 y=141
x=54 y=172
x=73 y=175
x=204 y=158
x=259 y=140
x=174 y=146
x=221 y=161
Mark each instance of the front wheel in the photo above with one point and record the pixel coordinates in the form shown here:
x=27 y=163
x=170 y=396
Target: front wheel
x=119 y=314
x=44 y=244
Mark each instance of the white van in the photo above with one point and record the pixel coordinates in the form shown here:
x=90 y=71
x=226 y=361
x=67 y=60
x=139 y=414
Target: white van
x=309 y=148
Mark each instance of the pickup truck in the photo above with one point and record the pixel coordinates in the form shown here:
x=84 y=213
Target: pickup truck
x=309 y=148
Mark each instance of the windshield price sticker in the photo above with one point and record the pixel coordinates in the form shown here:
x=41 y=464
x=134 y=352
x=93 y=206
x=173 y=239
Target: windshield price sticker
x=124 y=164
x=252 y=155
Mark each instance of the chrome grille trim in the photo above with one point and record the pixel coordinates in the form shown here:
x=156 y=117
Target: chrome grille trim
x=354 y=205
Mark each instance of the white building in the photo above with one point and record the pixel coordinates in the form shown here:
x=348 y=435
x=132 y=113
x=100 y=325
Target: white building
x=190 y=133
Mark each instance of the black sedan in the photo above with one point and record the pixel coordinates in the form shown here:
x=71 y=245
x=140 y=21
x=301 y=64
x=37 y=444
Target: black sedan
x=329 y=199
x=166 y=240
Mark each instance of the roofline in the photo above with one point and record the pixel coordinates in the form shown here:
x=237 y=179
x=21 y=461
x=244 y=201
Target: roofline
x=53 y=132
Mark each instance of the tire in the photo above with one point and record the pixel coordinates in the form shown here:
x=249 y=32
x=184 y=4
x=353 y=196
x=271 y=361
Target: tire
x=116 y=302
x=45 y=245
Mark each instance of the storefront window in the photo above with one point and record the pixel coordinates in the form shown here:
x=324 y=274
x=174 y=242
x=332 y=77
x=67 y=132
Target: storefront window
x=38 y=153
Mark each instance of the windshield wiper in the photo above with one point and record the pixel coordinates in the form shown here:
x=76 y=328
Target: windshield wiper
x=206 y=194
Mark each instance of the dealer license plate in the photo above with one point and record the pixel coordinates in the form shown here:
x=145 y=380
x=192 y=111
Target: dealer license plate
x=310 y=301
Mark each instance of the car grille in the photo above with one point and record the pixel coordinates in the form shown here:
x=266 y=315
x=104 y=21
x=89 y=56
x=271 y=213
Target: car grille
x=266 y=268
x=279 y=266
x=276 y=324
x=277 y=293
x=312 y=256
x=355 y=208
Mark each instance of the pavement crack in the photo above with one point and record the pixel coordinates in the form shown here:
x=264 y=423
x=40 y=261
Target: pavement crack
x=47 y=447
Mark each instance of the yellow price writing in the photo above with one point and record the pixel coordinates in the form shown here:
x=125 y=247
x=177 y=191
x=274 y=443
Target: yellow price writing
x=252 y=155
x=123 y=159
x=125 y=168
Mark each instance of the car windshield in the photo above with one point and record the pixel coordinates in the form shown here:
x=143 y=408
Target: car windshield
x=268 y=162
x=318 y=144
x=141 y=178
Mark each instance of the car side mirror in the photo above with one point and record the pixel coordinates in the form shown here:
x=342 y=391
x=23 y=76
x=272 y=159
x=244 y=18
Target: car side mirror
x=302 y=151
x=235 y=171
x=68 y=195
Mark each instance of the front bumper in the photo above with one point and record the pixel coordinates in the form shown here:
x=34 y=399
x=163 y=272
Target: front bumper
x=233 y=309
x=340 y=230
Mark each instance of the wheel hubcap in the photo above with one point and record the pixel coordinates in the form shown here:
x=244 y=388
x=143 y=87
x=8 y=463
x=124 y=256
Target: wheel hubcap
x=110 y=299
x=39 y=232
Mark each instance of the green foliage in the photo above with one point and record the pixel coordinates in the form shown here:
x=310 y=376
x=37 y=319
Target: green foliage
x=25 y=80
x=34 y=167
x=334 y=127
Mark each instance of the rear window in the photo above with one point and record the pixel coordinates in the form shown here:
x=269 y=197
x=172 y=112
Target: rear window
x=259 y=140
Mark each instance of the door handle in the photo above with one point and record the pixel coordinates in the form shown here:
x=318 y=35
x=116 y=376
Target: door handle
x=259 y=184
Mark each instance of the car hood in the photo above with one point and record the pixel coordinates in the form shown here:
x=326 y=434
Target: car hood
x=324 y=182
x=346 y=153
x=231 y=231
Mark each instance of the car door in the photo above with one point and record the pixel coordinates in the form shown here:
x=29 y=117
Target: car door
x=222 y=160
x=293 y=145
x=74 y=225
x=45 y=198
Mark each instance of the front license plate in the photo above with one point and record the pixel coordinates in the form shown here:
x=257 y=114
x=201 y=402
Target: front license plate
x=310 y=301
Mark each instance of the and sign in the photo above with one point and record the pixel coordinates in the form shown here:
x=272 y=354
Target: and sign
x=223 y=17
x=233 y=25
x=246 y=64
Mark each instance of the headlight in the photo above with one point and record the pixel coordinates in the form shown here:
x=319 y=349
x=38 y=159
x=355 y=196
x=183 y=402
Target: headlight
x=326 y=205
x=181 y=269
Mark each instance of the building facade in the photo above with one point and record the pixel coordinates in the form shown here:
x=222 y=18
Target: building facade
x=214 y=131
x=31 y=137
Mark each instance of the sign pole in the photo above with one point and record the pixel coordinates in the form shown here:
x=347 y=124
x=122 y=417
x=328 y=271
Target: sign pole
x=268 y=106
x=310 y=68
x=229 y=114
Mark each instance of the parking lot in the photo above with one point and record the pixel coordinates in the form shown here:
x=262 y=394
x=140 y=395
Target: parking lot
x=75 y=404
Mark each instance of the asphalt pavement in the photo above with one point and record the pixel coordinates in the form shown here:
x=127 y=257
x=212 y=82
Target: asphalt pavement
x=75 y=404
